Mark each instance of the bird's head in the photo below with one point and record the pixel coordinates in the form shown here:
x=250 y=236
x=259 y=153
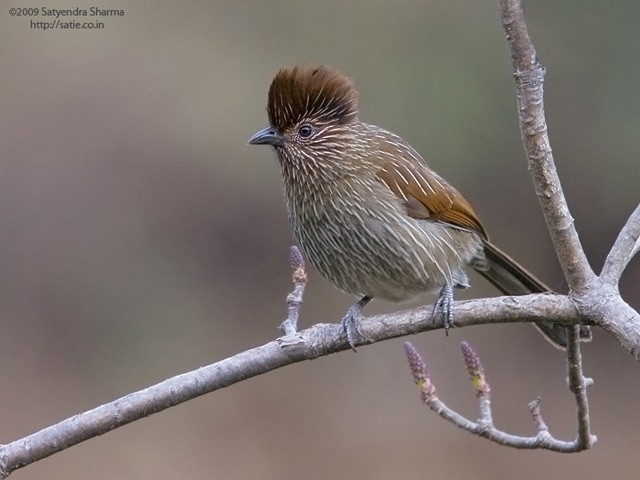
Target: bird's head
x=312 y=113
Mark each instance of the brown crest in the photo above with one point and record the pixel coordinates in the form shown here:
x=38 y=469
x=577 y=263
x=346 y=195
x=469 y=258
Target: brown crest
x=304 y=93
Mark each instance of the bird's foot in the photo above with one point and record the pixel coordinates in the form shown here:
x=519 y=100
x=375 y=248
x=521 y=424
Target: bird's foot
x=350 y=324
x=444 y=306
x=351 y=321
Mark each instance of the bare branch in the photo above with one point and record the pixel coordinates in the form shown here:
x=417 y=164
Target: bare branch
x=484 y=426
x=604 y=307
x=536 y=414
x=529 y=77
x=578 y=385
x=518 y=309
x=319 y=340
x=625 y=247
x=143 y=403
x=597 y=300
x=294 y=300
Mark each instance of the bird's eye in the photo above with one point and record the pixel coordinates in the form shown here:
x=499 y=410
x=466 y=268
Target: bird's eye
x=305 y=130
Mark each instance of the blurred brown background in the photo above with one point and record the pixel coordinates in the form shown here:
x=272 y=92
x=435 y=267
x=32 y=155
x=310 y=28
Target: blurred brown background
x=140 y=237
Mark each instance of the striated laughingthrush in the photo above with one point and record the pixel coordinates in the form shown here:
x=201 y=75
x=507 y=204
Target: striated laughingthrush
x=366 y=209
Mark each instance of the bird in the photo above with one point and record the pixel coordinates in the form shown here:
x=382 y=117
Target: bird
x=369 y=213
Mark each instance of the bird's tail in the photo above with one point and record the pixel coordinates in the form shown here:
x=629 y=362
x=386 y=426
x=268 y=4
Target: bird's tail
x=512 y=279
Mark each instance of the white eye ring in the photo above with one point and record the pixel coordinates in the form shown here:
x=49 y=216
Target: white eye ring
x=305 y=131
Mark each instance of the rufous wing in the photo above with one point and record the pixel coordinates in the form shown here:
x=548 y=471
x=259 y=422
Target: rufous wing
x=429 y=197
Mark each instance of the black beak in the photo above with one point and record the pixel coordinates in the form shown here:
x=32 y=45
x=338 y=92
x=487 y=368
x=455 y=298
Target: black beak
x=267 y=136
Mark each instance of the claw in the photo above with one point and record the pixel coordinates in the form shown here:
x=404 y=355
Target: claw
x=351 y=320
x=443 y=306
x=350 y=325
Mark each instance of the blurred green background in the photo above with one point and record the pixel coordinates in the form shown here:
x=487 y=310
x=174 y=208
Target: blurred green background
x=141 y=237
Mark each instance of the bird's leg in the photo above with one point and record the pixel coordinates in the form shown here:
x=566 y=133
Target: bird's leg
x=352 y=318
x=443 y=306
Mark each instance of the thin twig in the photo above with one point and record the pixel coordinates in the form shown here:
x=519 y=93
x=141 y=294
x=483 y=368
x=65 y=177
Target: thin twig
x=578 y=385
x=529 y=77
x=484 y=426
x=536 y=415
x=294 y=300
x=625 y=247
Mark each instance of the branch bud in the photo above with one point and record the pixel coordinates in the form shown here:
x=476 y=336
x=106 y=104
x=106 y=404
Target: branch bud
x=420 y=373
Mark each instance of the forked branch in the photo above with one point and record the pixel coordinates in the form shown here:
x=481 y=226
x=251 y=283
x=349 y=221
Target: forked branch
x=484 y=425
x=597 y=299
